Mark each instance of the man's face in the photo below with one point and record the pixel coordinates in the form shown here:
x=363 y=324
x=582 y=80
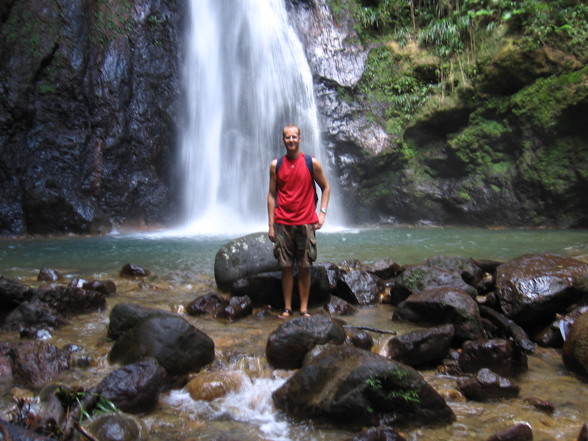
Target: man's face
x=291 y=138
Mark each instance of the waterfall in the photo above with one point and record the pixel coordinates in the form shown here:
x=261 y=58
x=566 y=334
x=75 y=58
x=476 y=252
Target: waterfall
x=246 y=77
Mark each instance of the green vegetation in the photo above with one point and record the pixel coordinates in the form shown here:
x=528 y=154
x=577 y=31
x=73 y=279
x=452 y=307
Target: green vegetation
x=426 y=52
x=392 y=379
x=73 y=398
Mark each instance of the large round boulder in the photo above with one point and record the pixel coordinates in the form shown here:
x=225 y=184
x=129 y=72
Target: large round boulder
x=355 y=387
x=178 y=346
x=125 y=316
x=246 y=255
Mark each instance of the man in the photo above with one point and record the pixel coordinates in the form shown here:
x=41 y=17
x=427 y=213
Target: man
x=291 y=209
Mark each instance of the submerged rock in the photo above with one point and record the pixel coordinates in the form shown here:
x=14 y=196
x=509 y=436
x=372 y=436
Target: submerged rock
x=519 y=432
x=115 y=428
x=211 y=385
x=487 y=386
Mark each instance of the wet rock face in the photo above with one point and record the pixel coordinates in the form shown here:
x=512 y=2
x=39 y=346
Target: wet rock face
x=87 y=117
x=531 y=287
x=178 y=346
x=357 y=387
x=287 y=346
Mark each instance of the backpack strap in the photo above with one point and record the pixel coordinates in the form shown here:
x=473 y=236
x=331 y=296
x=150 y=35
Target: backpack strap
x=310 y=167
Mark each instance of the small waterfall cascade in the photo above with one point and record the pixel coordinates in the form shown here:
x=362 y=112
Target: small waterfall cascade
x=246 y=77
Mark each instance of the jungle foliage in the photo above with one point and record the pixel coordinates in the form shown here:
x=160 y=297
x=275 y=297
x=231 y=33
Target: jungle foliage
x=426 y=53
x=483 y=98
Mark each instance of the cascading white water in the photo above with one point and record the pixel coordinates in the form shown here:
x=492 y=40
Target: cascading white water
x=246 y=77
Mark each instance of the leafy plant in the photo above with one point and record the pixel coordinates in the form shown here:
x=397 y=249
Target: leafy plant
x=72 y=398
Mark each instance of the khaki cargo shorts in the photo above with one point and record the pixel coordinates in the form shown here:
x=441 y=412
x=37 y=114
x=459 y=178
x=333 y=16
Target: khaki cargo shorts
x=295 y=244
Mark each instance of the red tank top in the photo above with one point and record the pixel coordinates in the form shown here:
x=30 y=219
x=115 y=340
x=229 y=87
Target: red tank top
x=295 y=204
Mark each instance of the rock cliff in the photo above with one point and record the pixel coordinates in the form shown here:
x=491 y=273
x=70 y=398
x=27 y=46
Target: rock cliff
x=92 y=97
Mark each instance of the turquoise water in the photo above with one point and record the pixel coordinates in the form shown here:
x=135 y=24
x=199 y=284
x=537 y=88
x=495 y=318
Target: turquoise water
x=184 y=258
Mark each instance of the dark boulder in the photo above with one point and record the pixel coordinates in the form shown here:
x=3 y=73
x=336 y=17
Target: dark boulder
x=334 y=273
x=49 y=275
x=106 y=287
x=534 y=287
x=499 y=355
x=287 y=346
x=115 y=428
x=503 y=327
x=263 y=289
x=384 y=268
x=266 y=288
x=421 y=347
x=359 y=338
x=338 y=306
x=542 y=405
x=487 y=386
x=71 y=300
x=355 y=388
x=575 y=348
x=466 y=267
x=244 y=256
x=134 y=388
x=519 y=432
x=37 y=362
x=380 y=433
x=360 y=288
x=33 y=314
x=238 y=307
x=583 y=435
x=416 y=278
x=208 y=304
x=554 y=334
x=13 y=293
x=178 y=346
x=132 y=271
x=125 y=316
x=441 y=306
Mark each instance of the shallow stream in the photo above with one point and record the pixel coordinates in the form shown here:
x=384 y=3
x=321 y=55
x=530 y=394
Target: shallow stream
x=182 y=269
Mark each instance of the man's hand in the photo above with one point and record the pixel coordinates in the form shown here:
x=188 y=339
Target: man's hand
x=272 y=234
x=321 y=220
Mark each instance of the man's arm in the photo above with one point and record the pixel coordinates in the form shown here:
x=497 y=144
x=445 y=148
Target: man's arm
x=271 y=200
x=321 y=180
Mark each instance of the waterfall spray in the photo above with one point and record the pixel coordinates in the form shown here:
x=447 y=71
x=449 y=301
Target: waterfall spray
x=246 y=77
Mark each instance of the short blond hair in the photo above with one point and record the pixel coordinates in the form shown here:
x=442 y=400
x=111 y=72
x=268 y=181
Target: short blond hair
x=289 y=126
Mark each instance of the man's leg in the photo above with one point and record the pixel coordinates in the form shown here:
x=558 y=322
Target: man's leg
x=287 y=287
x=304 y=288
